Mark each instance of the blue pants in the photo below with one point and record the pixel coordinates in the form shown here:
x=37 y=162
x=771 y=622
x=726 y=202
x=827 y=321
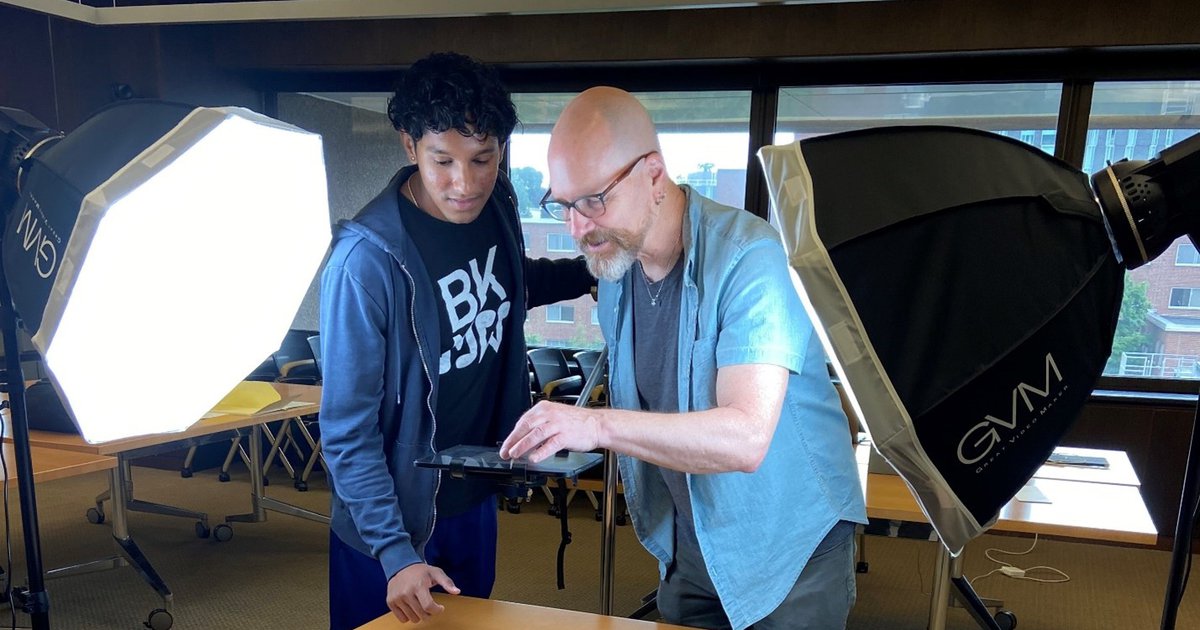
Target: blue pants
x=463 y=545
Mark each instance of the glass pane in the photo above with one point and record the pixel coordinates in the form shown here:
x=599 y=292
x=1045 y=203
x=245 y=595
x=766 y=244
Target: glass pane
x=705 y=138
x=1025 y=111
x=1158 y=333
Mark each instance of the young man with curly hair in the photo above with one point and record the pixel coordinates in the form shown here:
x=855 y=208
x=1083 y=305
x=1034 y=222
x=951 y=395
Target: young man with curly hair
x=423 y=304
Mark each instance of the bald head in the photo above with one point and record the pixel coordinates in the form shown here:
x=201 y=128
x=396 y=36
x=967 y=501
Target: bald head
x=599 y=133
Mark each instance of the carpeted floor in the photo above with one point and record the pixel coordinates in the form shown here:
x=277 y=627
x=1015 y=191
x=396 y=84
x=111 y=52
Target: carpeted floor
x=272 y=575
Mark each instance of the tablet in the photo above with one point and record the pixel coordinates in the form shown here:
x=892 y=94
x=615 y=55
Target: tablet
x=483 y=461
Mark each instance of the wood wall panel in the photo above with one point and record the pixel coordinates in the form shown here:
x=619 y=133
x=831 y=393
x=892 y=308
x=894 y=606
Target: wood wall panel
x=90 y=61
x=825 y=30
x=26 y=72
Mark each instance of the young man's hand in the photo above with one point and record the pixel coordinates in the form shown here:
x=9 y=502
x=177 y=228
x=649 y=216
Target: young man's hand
x=408 y=593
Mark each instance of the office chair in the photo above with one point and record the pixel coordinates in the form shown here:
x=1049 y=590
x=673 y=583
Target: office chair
x=585 y=361
x=267 y=372
x=553 y=376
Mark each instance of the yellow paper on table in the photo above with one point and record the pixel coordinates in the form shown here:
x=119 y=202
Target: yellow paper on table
x=247 y=398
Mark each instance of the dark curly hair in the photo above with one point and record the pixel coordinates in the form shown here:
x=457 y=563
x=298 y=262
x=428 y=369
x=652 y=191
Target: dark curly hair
x=451 y=91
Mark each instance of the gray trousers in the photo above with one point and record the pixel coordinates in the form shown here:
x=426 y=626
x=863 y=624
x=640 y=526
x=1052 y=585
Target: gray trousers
x=821 y=598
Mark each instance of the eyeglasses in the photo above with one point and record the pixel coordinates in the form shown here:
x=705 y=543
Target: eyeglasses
x=590 y=206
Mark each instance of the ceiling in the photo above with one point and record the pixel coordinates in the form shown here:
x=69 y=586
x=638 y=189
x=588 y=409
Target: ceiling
x=114 y=12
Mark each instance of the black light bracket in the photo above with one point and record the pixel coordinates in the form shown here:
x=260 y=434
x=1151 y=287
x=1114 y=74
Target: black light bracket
x=1147 y=204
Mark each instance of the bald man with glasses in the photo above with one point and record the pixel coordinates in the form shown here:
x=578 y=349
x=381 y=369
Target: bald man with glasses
x=732 y=443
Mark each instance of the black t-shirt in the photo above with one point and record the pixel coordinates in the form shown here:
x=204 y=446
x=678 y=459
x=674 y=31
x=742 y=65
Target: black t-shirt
x=472 y=278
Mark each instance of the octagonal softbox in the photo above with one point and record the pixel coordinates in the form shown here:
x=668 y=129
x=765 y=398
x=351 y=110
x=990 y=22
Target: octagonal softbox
x=966 y=291
x=159 y=252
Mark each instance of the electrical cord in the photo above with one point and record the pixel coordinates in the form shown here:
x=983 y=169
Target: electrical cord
x=1017 y=573
x=8 y=591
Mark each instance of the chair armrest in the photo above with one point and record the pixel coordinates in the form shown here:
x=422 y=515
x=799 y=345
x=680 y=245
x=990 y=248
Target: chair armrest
x=566 y=383
x=287 y=368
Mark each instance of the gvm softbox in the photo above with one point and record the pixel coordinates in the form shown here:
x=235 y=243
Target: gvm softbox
x=966 y=291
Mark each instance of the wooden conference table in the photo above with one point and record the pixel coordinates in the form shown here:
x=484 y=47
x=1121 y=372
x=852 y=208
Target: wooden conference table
x=1087 y=504
x=296 y=401
x=50 y=464
x=469 y=613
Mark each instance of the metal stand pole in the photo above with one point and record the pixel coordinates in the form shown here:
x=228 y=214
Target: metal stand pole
x=1184 y=523
x=34 y=601
x=608 y=532
x=608 y=539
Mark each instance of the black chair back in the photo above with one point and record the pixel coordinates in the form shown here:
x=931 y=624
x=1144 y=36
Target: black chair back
x=550 y=365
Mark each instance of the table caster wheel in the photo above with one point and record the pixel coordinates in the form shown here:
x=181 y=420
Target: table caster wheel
x=223 y=477
x=223 y=532
x=552 y=510
x=599 y=516
x=862 y=567
x=1006 y=619
x=266 y=481
x=620 y=519
x=202 y=530
x=95 y=516
x=186 y=473
x=302 y=486
x=159 y=619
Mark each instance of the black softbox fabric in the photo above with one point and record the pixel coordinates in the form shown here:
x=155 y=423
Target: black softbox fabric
x=966 y=291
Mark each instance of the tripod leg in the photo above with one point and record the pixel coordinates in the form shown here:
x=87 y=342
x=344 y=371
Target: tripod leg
x=1183 y=528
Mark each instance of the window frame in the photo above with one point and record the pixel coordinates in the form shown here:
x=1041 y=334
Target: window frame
x=1077 y=70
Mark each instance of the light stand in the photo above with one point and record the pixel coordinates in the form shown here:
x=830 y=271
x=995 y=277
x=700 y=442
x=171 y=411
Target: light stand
x=1147 y=205
x=19 y=134
x=1184 y=524
x=33 y=600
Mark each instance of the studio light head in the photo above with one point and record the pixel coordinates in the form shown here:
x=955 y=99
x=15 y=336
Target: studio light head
x=1147 y=204
x=158 y=253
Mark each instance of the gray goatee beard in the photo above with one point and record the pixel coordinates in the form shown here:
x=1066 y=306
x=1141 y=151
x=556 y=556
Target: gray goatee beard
x=612 y=268
x=615 y=266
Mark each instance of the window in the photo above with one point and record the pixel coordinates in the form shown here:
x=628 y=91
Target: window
x=1024 y=111
x=560 y=314
x=1156 y=332
x=1185 y=298
x=1186 y=255
x=595 y=316
x=705 y=138
x=559 y=242
x=525 y=239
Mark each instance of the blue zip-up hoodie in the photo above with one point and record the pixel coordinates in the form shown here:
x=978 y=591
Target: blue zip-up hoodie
x=380 y=340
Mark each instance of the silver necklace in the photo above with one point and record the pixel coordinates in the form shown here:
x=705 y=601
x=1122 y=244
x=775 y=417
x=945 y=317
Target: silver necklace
x=646 y=279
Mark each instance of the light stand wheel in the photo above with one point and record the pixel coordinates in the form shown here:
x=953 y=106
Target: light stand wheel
x=95 y=516
x=1006 y=619
x=223 y=477
x=223 y=532
x=202 y=530
x=159 y=619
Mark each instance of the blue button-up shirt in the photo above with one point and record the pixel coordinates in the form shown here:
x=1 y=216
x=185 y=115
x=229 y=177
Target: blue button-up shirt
x=756 y=530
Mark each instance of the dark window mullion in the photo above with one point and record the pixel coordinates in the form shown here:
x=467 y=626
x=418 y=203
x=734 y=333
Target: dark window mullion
x=764 y=107
x=1074 y=112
